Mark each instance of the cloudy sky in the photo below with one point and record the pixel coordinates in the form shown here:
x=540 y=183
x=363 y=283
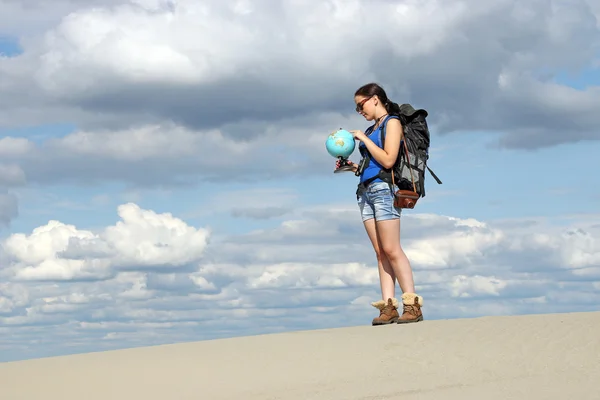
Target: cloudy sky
x=163 y=174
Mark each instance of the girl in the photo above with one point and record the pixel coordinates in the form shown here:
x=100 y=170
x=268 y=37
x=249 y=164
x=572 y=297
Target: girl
x=376 y=202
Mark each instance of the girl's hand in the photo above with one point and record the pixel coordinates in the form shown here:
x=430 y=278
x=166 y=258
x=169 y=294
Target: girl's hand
x=354 y=166
x=358 y=135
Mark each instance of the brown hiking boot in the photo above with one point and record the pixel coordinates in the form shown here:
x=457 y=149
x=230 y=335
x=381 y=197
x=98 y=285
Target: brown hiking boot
x=411 y=308
x=388 y=312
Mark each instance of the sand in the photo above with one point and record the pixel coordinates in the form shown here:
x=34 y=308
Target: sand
x=555 y=356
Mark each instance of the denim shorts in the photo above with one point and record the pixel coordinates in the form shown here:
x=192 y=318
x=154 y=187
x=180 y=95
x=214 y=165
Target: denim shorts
x=377 y=201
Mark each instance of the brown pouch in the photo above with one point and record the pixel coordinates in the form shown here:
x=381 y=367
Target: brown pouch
x=405 y=198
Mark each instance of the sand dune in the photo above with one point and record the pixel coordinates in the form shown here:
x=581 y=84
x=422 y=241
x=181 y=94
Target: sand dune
x=533 y=357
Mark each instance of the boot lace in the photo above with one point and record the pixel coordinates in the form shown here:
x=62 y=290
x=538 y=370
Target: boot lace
x=409 y=309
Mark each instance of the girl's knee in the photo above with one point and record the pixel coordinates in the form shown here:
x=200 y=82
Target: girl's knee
x=391 y=252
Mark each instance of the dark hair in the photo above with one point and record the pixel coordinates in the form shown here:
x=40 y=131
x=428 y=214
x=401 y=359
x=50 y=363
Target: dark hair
x=373 y=89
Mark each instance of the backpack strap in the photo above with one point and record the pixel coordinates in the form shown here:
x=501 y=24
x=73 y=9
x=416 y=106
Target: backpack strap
x=433 y=174
x=363 y=149
x=382 y=131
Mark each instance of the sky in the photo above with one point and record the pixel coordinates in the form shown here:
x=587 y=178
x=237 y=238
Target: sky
x=164 y=177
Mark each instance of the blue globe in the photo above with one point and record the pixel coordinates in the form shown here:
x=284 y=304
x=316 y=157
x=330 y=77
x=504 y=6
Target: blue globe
x=340 y=144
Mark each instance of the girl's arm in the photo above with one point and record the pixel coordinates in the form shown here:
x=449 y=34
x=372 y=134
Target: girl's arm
x=386 y=157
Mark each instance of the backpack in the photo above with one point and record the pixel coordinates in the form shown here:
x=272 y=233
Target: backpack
x=416 y=143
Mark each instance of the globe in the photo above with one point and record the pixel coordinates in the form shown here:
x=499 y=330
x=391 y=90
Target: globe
x=340 y=143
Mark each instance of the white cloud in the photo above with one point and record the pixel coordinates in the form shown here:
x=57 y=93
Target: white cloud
x=142 y=239
x=11 y=175
x=139 y=286
x=312 y=276
x=12 y=297
x=470 y=240
x=14 y=147
x=473 y=65
x=263 y=83
x=27 y=17
x=282 y=278
x=255 y=203
x=466 y=286
x=173 y=153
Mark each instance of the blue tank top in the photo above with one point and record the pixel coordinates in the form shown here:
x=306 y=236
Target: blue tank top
x=374 y=167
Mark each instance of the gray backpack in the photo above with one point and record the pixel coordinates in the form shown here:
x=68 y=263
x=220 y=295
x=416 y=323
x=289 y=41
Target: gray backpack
x=416 y=145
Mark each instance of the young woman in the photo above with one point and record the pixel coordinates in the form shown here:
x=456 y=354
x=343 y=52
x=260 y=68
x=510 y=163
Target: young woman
x=376 y=202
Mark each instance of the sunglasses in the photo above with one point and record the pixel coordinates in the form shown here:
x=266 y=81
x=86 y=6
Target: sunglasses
x=360 y=105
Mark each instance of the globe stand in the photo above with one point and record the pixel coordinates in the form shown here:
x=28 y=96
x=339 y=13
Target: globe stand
x=345 y=166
